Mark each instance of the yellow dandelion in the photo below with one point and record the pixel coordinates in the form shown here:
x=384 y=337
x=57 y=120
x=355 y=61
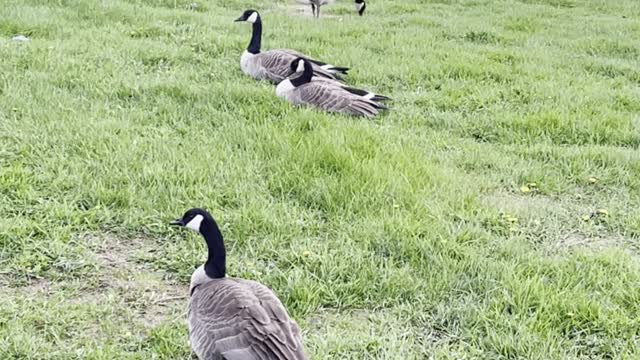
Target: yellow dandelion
x=525 y=189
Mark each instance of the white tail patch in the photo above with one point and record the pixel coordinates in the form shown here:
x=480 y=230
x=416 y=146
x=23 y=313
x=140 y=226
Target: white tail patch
x=369 y=96
x=194 y=224
x=326 y=67
x=253 y=18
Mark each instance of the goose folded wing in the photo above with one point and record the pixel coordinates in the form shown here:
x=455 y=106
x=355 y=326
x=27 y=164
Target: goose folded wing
x=318 y=70
x=236 y=324
x=276 y=311
x=276 y=64
x=297 y=54
x=333 y=98
x=317 y=64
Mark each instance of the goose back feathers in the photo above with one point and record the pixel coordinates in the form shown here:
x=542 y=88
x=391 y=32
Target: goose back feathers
x=331 y=96
x=234 y=319
x=274 y=65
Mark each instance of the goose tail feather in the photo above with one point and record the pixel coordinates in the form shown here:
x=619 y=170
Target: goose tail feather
x=367 y=95
x=338 y=69
x=377 y=98
x=381 y=106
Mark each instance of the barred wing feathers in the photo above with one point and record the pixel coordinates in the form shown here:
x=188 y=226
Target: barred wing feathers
x=237 y=319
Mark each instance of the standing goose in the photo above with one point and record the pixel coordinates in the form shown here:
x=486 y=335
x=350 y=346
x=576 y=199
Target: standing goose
x=364 y=93
x=315 y=6
x=234 y=319
x=330 y=96
x=273 y=65
x=360 y=6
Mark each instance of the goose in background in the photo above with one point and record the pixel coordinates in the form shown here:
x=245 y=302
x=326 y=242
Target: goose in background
x=360 y=6
x=330 y=96
x=316 y=4
x=230 y=318
x=273 y=65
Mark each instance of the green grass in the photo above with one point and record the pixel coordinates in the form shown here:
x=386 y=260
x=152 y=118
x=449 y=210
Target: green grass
x=406 y=237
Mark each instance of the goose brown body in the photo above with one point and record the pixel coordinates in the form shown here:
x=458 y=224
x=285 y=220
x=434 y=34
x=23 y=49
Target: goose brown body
x=237 y=319
x=303 y=88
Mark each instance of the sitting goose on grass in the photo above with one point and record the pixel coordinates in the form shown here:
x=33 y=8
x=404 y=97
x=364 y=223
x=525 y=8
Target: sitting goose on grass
x=234 y=319
x=330 y=96
x=273 y=65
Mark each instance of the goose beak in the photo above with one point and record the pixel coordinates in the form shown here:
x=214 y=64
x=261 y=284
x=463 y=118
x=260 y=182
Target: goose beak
x=178 y=222
x=238 y=19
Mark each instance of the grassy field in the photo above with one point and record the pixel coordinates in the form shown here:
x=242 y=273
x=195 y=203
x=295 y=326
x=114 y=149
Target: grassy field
x=494 y=213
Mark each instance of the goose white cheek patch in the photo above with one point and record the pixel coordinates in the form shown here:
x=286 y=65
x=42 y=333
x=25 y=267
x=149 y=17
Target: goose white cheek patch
x=300 y=66
x=194 y=224
x=252 y=19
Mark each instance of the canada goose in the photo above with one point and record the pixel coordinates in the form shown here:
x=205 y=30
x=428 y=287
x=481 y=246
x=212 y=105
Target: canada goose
x=273 y=65
x=327 y=95
x=360 y=6
x=315 y=6
x=234 y=319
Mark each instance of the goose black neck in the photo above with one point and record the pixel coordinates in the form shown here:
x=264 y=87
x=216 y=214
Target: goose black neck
x=305 y=77
x=256 y=37
x=216 y=265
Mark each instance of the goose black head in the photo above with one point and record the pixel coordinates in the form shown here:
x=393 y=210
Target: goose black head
x=250 y=16
x=193 y=219
x=302 y=67
x=360 y=6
